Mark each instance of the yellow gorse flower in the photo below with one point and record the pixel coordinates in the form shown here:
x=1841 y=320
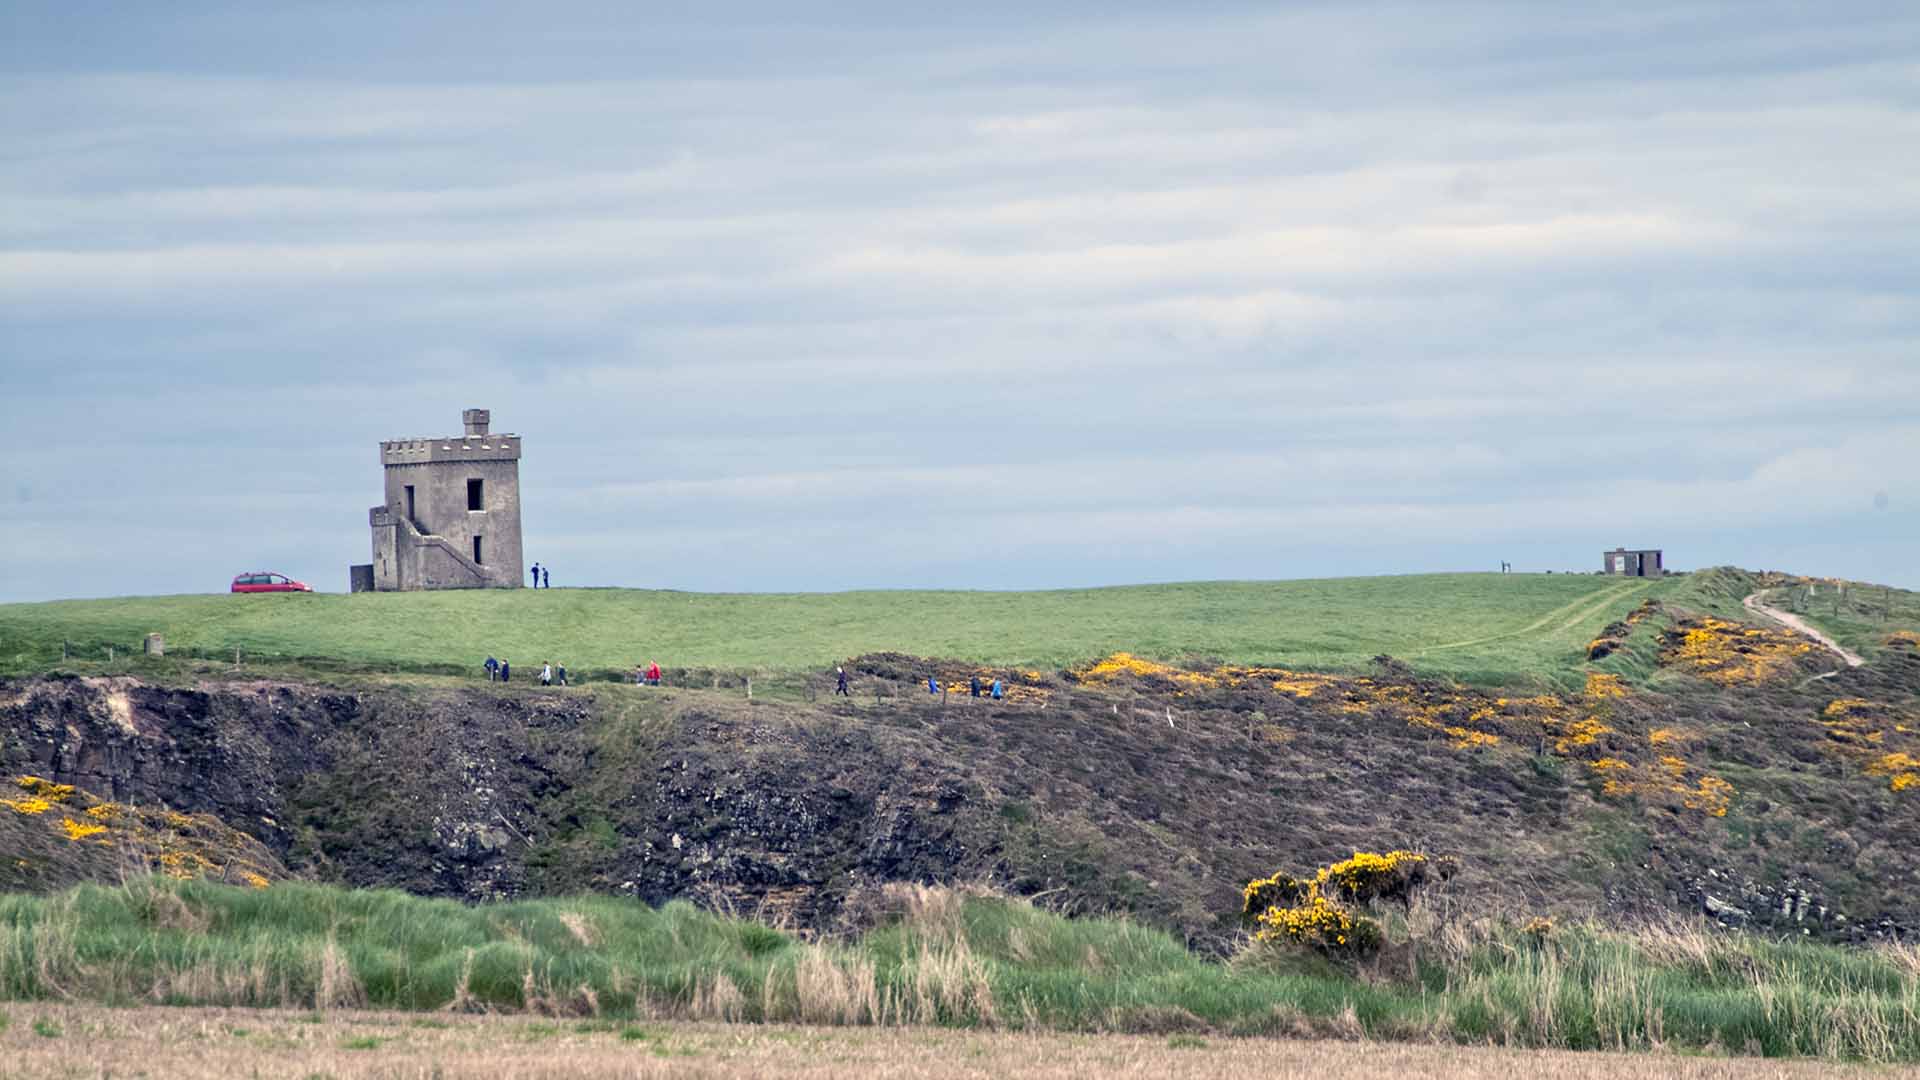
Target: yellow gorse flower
x=1730 y=654
x=1603 y=685
x=80 y=830
x=45 y=789
x=1468 y=739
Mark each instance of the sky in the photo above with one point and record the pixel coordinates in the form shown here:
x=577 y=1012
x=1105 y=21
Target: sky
x=981 y=298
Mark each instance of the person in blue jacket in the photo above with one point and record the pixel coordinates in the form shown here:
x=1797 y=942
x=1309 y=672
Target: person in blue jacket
x=933 y=685
x=996 y=690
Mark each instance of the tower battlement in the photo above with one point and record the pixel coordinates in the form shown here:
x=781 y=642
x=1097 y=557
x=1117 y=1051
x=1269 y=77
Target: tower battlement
x=456 y=448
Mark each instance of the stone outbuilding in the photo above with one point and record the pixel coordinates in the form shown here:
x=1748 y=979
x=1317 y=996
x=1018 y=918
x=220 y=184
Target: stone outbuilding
x=1642 y=563
x=451 y=519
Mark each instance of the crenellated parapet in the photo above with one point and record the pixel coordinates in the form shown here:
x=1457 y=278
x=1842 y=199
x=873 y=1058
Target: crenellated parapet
x=456 y=449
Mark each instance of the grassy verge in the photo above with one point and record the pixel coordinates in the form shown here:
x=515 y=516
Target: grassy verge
x=942 y=957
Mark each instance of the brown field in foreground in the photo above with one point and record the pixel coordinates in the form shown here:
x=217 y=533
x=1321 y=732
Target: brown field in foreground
x=69 y=1041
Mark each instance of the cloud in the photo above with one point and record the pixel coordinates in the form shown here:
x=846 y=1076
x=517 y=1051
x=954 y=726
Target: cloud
x=899 y=298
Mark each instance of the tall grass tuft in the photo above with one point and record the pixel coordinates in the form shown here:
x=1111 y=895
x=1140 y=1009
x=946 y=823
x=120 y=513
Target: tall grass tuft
x=958 y=957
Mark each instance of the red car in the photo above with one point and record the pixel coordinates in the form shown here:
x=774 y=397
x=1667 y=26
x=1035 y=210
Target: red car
x=265 y=582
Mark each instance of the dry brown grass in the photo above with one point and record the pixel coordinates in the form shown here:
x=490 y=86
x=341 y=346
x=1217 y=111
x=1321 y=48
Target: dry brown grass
x=66 y=1041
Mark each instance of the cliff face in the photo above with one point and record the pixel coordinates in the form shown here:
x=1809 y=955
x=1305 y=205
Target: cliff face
x=481 y=794
x=230 y=751
x=1143 y=793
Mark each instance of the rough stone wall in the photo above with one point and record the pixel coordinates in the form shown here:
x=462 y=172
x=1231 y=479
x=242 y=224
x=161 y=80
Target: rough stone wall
x=388 y=569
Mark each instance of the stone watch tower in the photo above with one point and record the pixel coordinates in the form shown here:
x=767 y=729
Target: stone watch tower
x=452 y=515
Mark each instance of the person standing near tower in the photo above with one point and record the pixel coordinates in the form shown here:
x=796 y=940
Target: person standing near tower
x=536 y=575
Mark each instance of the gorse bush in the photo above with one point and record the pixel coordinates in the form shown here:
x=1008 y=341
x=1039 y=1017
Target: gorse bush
x=1322 y=924
x=1309 y=910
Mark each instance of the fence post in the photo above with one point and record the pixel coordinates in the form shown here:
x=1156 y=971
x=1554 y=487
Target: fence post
x=749 y=688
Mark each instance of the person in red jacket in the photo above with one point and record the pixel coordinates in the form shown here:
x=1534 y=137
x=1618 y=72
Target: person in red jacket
x=653 y=673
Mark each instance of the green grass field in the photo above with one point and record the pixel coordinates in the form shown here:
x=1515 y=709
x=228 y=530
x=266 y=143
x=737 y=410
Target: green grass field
x=1475 y=627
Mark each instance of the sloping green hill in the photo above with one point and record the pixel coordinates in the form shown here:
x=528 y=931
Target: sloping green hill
x=1476 y=627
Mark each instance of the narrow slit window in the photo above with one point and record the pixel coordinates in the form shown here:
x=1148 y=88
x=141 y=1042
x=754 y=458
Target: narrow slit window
x=476 y=495
x=476 y=552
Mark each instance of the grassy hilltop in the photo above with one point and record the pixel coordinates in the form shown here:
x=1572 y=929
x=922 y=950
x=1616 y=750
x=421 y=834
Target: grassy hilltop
x=1475 y=627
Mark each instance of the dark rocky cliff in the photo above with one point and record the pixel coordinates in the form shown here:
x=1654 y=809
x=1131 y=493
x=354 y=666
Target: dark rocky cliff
x=1146 y=797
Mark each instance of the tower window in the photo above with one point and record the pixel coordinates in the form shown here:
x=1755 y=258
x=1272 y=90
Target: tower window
x=476 y=495
x=476 y=552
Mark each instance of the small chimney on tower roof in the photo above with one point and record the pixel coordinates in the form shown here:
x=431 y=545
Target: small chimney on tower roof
x=476 y=421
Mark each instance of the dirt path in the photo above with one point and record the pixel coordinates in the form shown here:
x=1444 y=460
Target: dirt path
x=1798 y=625
x=1586 y=607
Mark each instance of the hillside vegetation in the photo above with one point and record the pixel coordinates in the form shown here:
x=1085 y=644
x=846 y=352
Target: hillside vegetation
x=1698 y=763
x=1485 y=628
x=937 y=956
x=1588 y=749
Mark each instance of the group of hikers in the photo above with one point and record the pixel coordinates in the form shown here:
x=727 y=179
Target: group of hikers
x=552 y=674
x=502 y=671
x=974 y=688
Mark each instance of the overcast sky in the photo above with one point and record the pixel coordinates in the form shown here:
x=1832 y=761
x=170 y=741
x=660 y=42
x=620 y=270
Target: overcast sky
x=986 y=298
